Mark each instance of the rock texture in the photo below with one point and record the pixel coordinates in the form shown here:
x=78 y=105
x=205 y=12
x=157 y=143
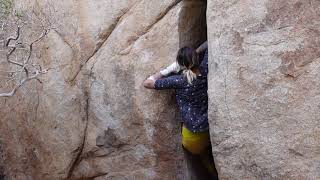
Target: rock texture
x=90 y=118
x=264 y=88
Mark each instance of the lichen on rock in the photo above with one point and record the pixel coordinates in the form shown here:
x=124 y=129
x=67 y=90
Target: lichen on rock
x=5 y=8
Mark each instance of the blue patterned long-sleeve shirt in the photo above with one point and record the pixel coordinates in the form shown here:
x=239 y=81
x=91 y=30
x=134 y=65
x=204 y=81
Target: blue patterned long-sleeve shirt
x=192 y=99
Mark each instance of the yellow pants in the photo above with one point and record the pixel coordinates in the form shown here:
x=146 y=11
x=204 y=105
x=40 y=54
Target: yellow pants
x=196 y=143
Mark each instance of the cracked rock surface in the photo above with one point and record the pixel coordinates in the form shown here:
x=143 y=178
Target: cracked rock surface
x=264 y=88
x=90 y=118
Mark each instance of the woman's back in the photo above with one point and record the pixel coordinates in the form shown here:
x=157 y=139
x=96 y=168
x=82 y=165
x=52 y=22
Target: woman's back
x=191 y=98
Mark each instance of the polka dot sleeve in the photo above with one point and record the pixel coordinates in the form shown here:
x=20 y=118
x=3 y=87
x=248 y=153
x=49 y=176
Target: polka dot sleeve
x=172 y=82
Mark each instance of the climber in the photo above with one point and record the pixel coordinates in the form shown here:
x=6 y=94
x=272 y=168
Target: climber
x=192 y=98
x=191 y=95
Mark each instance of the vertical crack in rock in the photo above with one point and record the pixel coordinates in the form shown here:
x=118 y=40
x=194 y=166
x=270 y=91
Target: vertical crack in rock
x=37 y=106
x=79 y=150
x=81 y=147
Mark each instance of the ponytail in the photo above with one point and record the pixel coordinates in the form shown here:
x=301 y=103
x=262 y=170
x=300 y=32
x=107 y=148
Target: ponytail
x=190 y=75
x=188 y=58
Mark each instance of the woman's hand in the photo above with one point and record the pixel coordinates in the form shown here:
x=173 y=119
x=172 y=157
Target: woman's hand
x=149 y=83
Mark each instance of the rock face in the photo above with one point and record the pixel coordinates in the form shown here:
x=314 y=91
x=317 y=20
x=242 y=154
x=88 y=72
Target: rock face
x=91 y=118
x=264 y=88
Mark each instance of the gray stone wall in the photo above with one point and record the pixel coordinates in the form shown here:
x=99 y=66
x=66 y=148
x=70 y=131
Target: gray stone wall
x=264 y=88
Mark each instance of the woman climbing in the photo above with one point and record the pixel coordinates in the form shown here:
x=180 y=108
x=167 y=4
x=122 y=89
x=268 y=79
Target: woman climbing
x=191 y=95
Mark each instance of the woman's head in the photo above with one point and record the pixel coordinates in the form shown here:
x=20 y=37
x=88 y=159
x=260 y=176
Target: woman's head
x=188 y=59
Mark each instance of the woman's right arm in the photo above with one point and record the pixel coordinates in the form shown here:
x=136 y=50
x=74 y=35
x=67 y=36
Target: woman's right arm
x=173 y=68
x=202 y=47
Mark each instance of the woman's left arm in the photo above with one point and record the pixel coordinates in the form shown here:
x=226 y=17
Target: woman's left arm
x=149 y=83
x=173 y=68
x=156 y=82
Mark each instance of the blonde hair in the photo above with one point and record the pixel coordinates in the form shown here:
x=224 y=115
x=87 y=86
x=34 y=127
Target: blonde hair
x=190 y=75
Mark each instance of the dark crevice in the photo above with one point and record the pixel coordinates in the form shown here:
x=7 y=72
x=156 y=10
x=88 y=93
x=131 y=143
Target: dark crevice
x=192 y=33
x=79 y=150
x=192 y=23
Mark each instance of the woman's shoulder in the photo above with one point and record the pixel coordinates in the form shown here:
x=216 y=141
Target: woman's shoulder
x=204 y=64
